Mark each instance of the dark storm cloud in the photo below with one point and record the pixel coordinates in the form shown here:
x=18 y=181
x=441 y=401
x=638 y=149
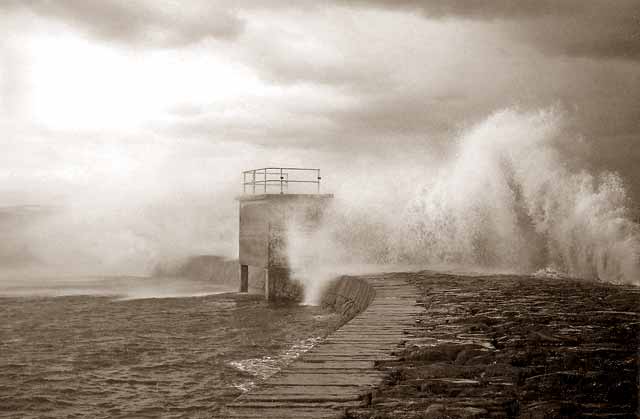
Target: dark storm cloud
x=281 y=68
x=277 y=65
x=410 y=115
x=480 y=9
x=595 y=28
x=278 y=128
x=139 y=22
x=400 y=119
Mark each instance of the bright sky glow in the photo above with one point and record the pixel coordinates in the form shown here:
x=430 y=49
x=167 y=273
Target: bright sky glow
x=79 y=85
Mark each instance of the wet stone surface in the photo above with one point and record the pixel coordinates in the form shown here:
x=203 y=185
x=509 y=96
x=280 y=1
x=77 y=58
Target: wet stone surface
x=513 y=346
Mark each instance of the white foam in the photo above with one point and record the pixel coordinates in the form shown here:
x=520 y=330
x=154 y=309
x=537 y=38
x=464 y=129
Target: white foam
x=505 y=201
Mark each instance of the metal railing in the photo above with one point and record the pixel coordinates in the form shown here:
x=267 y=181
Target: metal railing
x=267 y=179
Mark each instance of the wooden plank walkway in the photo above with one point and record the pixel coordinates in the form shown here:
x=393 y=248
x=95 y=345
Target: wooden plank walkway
x=339 y=373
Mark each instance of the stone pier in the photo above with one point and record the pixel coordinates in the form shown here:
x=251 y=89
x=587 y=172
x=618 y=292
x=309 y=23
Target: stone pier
x=340 y=372
x=433 y=345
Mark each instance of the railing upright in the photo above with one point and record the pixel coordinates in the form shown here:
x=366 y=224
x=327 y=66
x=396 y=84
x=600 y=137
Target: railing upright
x=281 y=182
x=254 y=182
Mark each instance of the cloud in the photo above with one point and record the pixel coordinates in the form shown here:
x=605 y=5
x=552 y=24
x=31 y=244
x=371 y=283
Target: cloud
x=12 y=82
x=480 y=9
x=334 y=77
x=596 y=28
x=293 y=46
x=146 y=22
x=14 y=71
x=408 y=82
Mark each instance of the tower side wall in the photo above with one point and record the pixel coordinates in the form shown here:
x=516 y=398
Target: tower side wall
x=264 y=222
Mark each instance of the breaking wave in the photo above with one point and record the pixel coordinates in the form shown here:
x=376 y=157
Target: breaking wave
x=507 y=200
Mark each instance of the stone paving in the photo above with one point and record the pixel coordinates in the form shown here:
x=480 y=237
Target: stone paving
x=341 y=372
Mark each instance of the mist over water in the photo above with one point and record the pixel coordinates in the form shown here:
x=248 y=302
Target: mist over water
x=507 y=195
x=506 y=200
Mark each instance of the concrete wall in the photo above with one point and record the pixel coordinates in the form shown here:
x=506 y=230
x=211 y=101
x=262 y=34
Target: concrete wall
x=263 y=236
x=279 y=286
x=254 y=232
x=348 y=296
x=211 y=268
x=263 y=225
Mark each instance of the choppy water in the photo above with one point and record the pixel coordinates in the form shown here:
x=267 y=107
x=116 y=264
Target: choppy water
x=99 y=357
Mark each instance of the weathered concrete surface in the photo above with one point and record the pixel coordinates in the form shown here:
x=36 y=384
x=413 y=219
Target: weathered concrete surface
x=264 y=223
x=264 y=219
x=340 y=373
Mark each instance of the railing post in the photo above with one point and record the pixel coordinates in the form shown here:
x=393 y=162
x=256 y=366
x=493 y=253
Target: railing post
x=254 y=182
x=281 y=179
x=319 y=180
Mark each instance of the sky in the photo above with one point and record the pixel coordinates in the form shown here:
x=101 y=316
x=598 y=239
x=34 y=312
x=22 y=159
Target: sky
x=114 y=103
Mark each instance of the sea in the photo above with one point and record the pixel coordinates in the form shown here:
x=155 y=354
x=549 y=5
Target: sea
x=126 y=347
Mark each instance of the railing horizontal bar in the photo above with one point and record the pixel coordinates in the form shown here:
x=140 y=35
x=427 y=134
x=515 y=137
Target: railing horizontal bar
x=301 y=181
x=285 y=168
x=261 y=170
x=262 y=182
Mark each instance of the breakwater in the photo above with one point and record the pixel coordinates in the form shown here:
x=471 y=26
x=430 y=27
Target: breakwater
x=341 y=372
x=432 y=345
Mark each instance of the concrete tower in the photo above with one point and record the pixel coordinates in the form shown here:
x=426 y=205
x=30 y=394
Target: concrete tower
x=272 y=200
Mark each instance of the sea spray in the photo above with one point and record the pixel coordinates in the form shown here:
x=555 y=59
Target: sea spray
x=505 y=200
x=266 y=366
